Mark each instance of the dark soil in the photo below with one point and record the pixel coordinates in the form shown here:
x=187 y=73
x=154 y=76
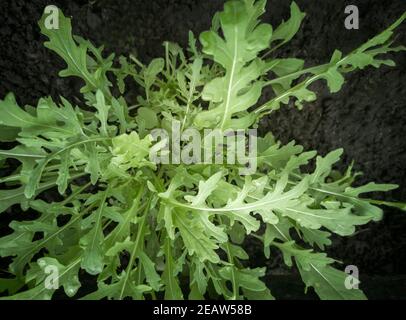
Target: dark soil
x=367 y=117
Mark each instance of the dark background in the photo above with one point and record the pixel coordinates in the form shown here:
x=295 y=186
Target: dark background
x=367 y=117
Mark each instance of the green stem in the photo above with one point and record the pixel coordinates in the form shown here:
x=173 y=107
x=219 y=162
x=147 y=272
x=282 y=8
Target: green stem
x=138 y=244
x=297 y=73
x=74 y=194
x=231 y=260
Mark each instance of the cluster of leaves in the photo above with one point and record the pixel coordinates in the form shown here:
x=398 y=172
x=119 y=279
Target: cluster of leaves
x=176 y=231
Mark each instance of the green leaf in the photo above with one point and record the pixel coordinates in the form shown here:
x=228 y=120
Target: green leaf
x=93 y=165
x=16 y=196
x=22 y=154
x=316 y=272
x=205 y=190
x=155 y=67
x=329 y=283
x=11 y=115
x=118 y=247
x=8 y=134
x=305 y=258
x=196 y=238
x=129 y=151
x=243 y=39
x=287 y=66
x=146 y=118
x=151 y=275
x=35 y=179
x=324 y=166
x=172 y=289
x=194 y=80
x=331 y=216
x=363 y=207
x=63 y=173
x=198 y=281
x=278 y=231
x=119 y=290
x=102 y=112
x=316 y=237
x=92 y=242
x=288 y=29
x=74 y=54
x=383 y=36
x=120 y=110
x=66 y=276
x=10 y=285
x=247 y=279
x=399 y=205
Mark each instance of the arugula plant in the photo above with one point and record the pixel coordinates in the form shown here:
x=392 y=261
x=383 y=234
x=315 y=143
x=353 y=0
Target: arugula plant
x=148 y=231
